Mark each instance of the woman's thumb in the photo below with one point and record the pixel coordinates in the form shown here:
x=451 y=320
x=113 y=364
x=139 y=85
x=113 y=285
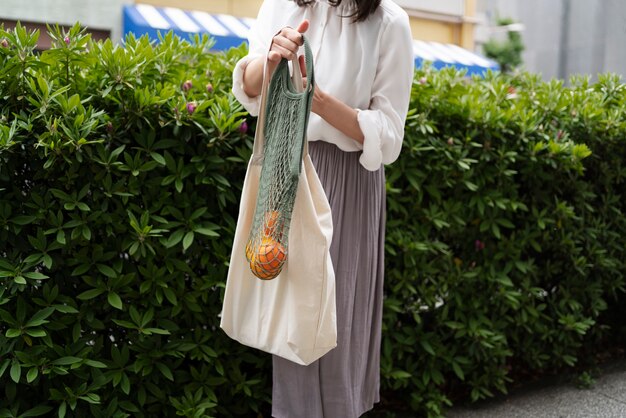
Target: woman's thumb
x=303 y=26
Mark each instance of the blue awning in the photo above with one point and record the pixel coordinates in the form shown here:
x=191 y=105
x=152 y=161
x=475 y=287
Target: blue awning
x=445 y=55
x=228 y=31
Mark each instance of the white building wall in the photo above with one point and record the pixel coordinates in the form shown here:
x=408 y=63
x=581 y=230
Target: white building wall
x=587 y=39
x=95 y=14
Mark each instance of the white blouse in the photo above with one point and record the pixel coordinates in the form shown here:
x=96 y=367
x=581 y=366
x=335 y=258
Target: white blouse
x=367 y=65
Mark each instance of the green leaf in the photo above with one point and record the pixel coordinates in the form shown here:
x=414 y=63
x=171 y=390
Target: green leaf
x=107 y=271
x=23 y=219
x=125 y=324
x=39 y=317
x=30 y=376
x=115 y=300
x=4 y=366
x=37 y=411
x=125 y=384
x=400 y=374
x=16 y=371
x=47 y=261
x=36 y=332
x=206 y=231
x=175 y=238
x=66 y=361
x=427 y=347
x=62 y=410
x=61 y=237
x=165 y=371
x=90 y=294
x=471 y=186
x=80 y=270
x=13 y=333
x=19 y=280
x=157 y=331
x=96 y=364
x=198 y=212
x=158 y=158
x=66 y=309
x=458 y=371
x=188 y=240
x=91 y=398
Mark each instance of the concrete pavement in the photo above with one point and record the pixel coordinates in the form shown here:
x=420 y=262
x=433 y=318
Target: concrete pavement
x=604 y=399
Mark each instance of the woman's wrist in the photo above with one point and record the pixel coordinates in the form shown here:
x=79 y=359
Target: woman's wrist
x=253 y=75
x=337 y=114
x=319 y=103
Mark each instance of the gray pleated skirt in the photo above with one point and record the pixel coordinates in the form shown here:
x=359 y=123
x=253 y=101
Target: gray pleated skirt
x=345 y=382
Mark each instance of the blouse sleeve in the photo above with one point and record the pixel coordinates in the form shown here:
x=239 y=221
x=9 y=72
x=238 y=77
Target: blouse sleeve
x=382 y=123
x=259 y=37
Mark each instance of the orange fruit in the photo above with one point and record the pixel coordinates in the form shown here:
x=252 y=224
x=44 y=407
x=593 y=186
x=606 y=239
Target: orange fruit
x=267 y=261
x=270 y=223
x=249 y=252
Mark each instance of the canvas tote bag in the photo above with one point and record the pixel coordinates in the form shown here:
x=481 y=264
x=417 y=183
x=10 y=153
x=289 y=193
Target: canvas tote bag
x=294 y=315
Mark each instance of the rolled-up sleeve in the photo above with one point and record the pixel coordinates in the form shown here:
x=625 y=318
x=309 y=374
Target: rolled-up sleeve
x=259 y=36
x=382 y=123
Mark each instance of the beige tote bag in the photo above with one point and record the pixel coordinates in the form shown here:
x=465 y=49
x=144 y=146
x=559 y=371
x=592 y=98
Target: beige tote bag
x=294 y=315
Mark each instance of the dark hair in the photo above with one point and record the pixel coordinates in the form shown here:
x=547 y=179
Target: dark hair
x=364 y=8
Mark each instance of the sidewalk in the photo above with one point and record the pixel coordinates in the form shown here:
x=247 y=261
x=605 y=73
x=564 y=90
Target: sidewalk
x=605 y=399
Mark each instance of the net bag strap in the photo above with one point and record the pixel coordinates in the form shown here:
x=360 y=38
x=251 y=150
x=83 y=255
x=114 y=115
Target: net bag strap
x=297 y=83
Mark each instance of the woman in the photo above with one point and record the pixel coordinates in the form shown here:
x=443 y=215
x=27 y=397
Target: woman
x=363 y=62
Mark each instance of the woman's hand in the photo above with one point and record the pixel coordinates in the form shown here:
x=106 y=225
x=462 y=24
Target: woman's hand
x=286 y=43
x=335 y=112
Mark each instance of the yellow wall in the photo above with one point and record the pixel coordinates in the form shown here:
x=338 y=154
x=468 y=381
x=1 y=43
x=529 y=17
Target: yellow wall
x=432 y=30
x=467 y=27
x=424 y=28
x=241 y=8
x=457 y=30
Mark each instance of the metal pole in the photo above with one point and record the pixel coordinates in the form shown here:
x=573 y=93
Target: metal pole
x=599 y=41
x=564 y=40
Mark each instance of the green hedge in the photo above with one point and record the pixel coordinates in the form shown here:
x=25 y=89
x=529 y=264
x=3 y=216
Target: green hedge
x=506 y=235
x=120 y=172
x=119 y=186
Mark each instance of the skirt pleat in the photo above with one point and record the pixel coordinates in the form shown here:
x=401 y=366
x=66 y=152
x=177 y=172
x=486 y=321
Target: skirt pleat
x=345 y=382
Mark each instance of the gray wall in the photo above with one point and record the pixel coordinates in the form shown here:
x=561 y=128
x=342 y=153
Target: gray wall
x=96 y=14
x=565 y=37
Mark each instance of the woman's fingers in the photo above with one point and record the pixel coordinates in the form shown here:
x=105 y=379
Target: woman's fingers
x=302 y=65
x=303 y=26
x=273 y=56
x=285 y=46
x=287 y=42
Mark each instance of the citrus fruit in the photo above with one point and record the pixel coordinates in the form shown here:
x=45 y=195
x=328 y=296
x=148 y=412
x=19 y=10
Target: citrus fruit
x=267 y=261
x=271 y=223
x=249 y=251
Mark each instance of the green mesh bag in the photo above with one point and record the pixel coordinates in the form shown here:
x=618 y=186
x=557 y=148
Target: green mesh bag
x=287 y=110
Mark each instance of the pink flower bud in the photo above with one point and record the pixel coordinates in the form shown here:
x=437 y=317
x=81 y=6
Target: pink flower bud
x=209 y=88
x=423 y=80
x=191 y=107
x=243 y=128
x=450 y=141
x=66 y=40
x=109 y=127
x=187 y=85
x=479 y=245
x=4 y=43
